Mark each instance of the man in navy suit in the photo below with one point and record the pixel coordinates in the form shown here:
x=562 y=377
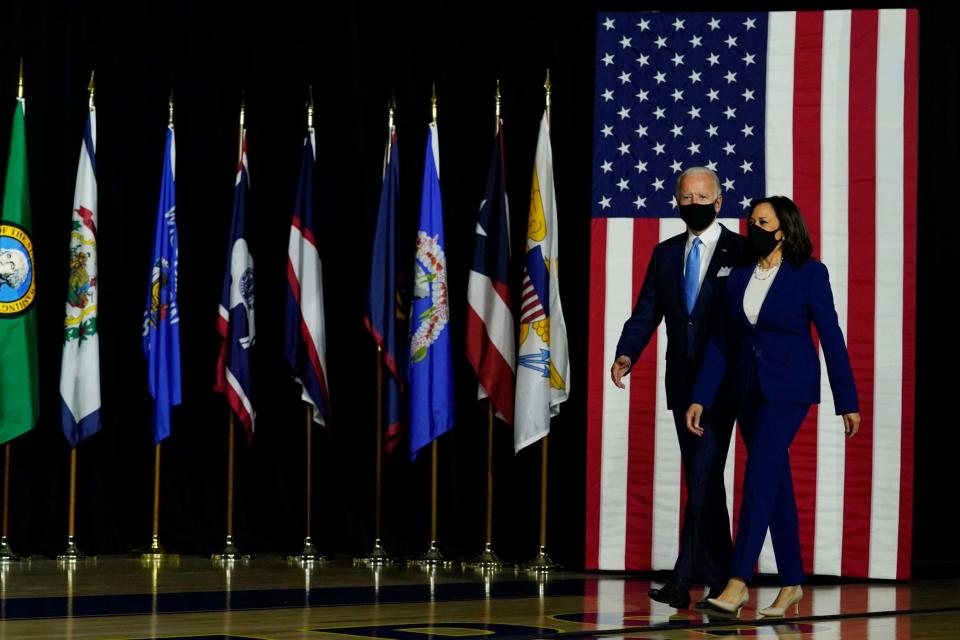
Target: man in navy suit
x=684 y=284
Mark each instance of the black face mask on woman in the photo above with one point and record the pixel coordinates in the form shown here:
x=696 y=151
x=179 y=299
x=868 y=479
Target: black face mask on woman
x=698 y=216
x=762 y=242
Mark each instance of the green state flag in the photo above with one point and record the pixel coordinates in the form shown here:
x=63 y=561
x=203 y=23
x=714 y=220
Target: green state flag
x=19 y=400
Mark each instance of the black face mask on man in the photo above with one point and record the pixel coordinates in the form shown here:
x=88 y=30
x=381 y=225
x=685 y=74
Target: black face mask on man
x=698 y=216
x=762 y=242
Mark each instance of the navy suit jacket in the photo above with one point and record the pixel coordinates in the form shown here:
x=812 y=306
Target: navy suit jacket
x=661 y=297
x=780 y=347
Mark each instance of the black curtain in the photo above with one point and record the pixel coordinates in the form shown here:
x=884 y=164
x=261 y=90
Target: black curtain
x=354 y=56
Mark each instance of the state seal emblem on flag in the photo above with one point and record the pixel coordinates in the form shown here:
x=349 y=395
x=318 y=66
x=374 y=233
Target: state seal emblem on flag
x=431 y=282
x=17 y=285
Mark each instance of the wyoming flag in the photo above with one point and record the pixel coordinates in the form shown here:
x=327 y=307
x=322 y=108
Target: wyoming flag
x=543 y=372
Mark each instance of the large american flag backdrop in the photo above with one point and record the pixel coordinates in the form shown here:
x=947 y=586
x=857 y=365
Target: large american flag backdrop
x=822 y=107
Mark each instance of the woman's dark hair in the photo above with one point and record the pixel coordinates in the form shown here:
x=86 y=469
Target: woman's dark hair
x=797 y=246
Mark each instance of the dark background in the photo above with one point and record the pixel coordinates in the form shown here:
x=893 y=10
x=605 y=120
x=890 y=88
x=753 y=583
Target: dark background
x=354 y=56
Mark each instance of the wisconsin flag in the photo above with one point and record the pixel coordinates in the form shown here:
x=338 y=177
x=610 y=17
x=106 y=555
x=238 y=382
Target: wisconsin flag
x=491 y=342
x=306 y=341
x=19 y=399
x=80 y=365
x=235 y=316
x=431 y=364
x=385 y=314
x=543 y=375
x=161 y=319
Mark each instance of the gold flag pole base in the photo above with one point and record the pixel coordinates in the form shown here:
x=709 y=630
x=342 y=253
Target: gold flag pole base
x=7 y=555
x=378 y=557
x=542 y=562
x=73 y=554
x=309 y=554
x=230 y=553
x=157 y=555
x=432 y=558
x=487 y=560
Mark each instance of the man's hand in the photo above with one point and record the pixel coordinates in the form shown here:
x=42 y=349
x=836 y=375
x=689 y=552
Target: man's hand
x=619 y=369
x=693 y=419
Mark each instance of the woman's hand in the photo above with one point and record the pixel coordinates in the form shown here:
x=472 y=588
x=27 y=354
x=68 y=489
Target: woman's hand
x=693 y=419
x=851 y=424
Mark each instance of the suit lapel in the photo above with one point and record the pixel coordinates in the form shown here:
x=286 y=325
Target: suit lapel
x=676 y=260
x=719 y=258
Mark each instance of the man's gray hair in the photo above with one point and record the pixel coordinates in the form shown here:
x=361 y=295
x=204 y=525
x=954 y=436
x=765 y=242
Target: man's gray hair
x=699 y=171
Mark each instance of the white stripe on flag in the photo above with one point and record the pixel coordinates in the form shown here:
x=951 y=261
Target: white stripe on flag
x=834 y=185
x=781 y=40
x=826 y=601
x=616 y=402
x=888 y=332
x=667 y=467
x=497 y=321
x=781 y=34
x=307 y=268
x=610 y=596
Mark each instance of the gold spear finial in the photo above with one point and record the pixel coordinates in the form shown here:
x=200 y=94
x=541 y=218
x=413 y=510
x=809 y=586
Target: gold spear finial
x=547 y=87
x=497 y=108
x=310 y=106
x=433 y=102
x=20 y=82
x=91 y=87
x=170 y=121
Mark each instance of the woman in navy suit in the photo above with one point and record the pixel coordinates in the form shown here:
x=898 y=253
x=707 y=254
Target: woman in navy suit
x=775 y=377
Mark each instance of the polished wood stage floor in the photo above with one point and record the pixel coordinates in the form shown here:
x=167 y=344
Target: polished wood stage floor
x=269 y=598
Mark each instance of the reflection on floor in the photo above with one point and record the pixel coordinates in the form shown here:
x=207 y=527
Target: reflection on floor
x=268 y=598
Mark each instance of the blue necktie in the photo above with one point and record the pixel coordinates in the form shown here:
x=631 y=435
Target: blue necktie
x=691 y=275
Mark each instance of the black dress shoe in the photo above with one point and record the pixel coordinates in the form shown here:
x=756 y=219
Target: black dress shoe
x=703 y=604
x=675 y=593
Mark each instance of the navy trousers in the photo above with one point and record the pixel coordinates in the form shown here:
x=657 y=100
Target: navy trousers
x=705 y=545
x=768 y=429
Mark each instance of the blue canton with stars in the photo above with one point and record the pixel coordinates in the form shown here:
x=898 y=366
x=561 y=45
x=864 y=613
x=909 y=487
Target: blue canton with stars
x=673 y=91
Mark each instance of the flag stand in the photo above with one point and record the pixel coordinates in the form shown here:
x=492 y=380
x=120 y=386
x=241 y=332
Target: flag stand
x=309 y=553
x=156 y=553
x=542 y=561
x=432 y=558
x=6 y=553
x=230 y=551
x=72 y=553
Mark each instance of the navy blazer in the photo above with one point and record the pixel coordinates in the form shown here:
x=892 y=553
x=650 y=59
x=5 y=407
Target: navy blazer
x=780 y=347
x=662 y=297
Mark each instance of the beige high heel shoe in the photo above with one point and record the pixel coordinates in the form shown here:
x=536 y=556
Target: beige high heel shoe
x=778 y=612
x=732 y=608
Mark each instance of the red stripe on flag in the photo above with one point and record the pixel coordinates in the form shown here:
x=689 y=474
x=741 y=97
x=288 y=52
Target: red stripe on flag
x=909 y=296
x=806 y=189
x=642 y=421
x=493 y=371
x=596 y=379
x=862 y=287
x=306 y=335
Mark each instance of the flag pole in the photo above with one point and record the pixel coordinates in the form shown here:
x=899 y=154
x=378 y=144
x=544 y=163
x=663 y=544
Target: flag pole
x=156 y=553
x=542 y=561
x=72 y=553
x=6 y=553
x=230 y=551
x=378 y=556
x=432 y=558
x=488 y=559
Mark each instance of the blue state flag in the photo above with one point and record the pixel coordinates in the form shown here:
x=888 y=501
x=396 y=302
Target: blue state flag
x=385 y=314
x=161 y=319
x=431 y=365
x=235 y=318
